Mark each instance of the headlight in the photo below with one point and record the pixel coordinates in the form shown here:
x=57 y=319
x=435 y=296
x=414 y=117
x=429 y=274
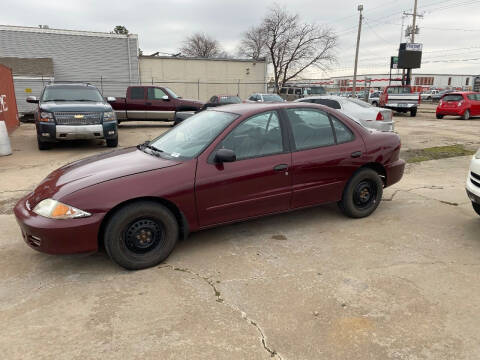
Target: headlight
x=109 y=116
x=46 y=116
x=477 y=154
x=54 y=209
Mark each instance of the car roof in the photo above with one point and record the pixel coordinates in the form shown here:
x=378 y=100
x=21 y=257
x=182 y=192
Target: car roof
x=252 y=108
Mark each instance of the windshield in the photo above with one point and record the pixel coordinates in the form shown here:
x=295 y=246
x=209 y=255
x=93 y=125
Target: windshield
x=360 y=103
x=171 y=93
x=272 y=98
x=69 y=93
x=230 y=100
x=193 y=135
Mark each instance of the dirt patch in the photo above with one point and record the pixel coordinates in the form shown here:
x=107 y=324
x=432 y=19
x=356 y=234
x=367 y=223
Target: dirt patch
x=435 y=153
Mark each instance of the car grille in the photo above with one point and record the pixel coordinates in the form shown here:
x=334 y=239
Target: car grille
x=78 y=118
x=475 y=179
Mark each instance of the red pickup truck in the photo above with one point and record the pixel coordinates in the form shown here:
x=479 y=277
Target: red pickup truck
x=401 y=99
x=151 y=103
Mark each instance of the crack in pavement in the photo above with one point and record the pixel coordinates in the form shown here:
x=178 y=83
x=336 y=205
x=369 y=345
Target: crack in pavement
x=219 y=299
x=433 y=187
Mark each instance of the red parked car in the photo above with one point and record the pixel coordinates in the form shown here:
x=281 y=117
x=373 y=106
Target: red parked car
x=463 y=104
x=219 y=166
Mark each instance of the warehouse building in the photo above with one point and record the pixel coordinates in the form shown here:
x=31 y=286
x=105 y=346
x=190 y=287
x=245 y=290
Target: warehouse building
x=109 y=61
x=201 y=78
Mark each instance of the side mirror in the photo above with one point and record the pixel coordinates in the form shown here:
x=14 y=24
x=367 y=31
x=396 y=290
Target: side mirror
x=225 y=155
x=32 y=99
x=165 y=98
x=111 y=99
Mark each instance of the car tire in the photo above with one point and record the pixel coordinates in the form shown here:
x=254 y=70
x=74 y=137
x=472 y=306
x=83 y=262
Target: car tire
x=362 y=194
x=141 y=235
x=413 y=112
x=466 y=115
x=476 y=207
x=429 y=98
x=42 y=145
x=439 y=117
x=112 y=142
x=374 y=103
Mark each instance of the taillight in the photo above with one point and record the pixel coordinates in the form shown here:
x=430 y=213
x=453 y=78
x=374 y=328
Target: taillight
x=440 y=103
x=386 y=98
x=379 y=116
x=419 y=98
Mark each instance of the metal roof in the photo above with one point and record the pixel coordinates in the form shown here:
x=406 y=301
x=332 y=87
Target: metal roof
x=64 y=31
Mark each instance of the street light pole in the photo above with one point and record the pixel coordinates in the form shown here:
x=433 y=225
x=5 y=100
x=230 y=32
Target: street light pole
x=354 y=89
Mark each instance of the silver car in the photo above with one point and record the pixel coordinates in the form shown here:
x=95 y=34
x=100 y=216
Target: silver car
x=362 y=112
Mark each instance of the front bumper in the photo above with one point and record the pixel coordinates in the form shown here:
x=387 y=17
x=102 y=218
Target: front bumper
x=394 y=172
x=52 y=132
x=57 y=236
x=473 y=181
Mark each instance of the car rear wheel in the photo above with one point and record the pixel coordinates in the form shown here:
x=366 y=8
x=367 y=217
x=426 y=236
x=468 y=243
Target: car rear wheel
x=413 y=112
x=439 y=116
x=141 y=235
x=476 y=207
x=374 y=103
x=466 y=115
x=42 y=145
x=362 y=194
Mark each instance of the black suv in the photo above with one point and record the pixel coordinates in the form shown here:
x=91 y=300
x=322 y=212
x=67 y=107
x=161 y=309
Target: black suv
x=73 y=111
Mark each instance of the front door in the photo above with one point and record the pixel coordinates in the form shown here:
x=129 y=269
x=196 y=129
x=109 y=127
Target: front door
x=257 y=183
x=326 y=153
x=158 y=107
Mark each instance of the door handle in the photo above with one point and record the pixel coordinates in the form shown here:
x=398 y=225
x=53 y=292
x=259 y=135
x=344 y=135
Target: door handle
x=280 y=167
x=356 y=154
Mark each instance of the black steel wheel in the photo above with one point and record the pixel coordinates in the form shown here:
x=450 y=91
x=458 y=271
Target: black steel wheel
x=362 y=194
x=140 y=235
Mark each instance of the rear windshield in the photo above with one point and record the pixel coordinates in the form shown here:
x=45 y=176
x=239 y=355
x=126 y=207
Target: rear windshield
x=399 y=90
x=453 y=97
x=230 y=100
x=71 y=93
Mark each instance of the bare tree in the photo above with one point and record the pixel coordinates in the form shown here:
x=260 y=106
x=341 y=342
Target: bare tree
x=201 y=45
x=290 y=45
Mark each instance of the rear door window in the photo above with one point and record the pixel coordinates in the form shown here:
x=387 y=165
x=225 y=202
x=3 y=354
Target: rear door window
x=311 y=128
x=137 y=93
x=342 y=132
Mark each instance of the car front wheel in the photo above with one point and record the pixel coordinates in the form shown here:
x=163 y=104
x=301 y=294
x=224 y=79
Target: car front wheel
x=141 y=235
x=476 y=207
x=362 y=194
x=43 y=145
x=112 y=142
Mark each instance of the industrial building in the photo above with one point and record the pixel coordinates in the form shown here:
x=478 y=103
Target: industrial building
x=421 y=82
x=201 y=78
x=40 y=55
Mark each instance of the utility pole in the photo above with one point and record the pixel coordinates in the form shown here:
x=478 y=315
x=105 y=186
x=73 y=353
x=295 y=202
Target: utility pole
x=354 y=89
x=412 y=38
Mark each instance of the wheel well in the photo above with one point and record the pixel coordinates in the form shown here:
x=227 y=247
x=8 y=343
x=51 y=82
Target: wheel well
x=379 y=169
x=181 y=220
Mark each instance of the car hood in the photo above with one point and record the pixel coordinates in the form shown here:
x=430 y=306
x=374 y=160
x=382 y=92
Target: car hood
x=97 y=169
x=80 y=106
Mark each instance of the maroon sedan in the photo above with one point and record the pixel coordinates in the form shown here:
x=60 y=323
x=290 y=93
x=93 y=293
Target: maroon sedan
x=220 y=166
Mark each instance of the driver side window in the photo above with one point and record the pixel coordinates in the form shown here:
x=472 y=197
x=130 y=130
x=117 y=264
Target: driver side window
x=155 y=94
x=257 y=136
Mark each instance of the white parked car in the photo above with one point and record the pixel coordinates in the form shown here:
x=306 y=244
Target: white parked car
x=473 y=182
x=374 y=98
x=367 y=115
x=265 y=98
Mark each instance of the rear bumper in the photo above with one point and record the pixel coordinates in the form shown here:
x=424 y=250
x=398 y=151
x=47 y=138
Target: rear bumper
x=450 y=111
x=394 y=172
x=49 y=132
x=57 y=236
x=401 y=106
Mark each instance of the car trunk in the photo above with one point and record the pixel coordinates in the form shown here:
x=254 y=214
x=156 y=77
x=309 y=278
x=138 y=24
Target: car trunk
x=451 y=101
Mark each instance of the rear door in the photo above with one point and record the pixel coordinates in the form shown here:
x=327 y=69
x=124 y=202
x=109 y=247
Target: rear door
x=158 y=108
x=257 y=183
x=325 y=154
x=136 y=98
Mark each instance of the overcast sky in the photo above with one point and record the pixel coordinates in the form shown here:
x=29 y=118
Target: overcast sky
x=450 y=29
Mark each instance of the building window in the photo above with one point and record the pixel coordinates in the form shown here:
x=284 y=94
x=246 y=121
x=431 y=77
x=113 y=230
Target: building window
x=467 y=81
x=449 y=81
x=424 y=80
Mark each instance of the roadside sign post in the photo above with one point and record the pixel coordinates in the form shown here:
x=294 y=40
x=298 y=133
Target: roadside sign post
x=393 y=65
